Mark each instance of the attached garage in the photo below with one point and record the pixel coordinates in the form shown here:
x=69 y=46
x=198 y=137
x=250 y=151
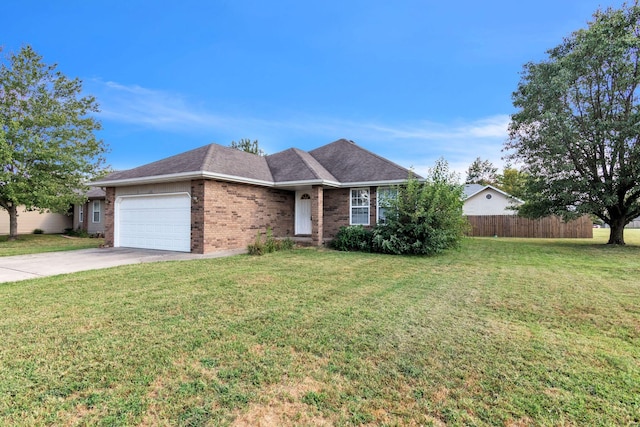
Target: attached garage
x=158 y=221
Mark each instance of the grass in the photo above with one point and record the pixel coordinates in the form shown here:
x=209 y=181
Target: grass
x=38 y=243
x=502 y=332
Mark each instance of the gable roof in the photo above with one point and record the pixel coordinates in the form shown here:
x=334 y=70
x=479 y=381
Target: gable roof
x=471 y=190
x=337 y=164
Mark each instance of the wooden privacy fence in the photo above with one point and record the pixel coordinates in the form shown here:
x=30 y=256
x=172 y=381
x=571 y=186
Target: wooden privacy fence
x=515 y=226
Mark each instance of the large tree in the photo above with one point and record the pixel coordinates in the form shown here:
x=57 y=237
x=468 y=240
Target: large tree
x=481 y=172
x=512 y=181
x=578 y=124
x=48 y=148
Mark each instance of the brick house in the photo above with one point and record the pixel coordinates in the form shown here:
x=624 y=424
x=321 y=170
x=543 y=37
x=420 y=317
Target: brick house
x=217 y=198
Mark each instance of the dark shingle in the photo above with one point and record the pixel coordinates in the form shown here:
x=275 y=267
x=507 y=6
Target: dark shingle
x=296 y=165
x=233 y=162
x=341 y=161
x=351 y=163
x=212 y=158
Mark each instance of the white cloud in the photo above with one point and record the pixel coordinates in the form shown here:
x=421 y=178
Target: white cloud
x=417 y=144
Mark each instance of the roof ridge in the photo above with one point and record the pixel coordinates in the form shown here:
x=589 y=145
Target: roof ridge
x=348 y=141
x=208 y=156
x=312 y=167
x=378 y=156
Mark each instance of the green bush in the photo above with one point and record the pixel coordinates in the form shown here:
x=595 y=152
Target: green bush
x=271 y=244
x=38 y=231
x=425 y=218
x=76 y=233
x=353 y=238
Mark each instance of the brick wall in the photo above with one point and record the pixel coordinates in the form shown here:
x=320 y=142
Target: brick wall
x=108 y=216
x=317 y=216
x=232 y=214
x=197 y=216
x=336 y=211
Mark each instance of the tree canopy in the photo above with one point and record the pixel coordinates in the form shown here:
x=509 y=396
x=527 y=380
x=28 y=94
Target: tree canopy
x=481 y=172
x=247 y=145
x=512 y=181
x=48 y=147
x=578 y=124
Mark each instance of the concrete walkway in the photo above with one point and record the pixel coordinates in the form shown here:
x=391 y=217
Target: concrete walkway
x=22 y=267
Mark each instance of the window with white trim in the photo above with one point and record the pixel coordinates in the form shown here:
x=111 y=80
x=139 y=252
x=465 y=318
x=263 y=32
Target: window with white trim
x=80 y=214
x=96 y=211
x=385 y=194
x=359 y=206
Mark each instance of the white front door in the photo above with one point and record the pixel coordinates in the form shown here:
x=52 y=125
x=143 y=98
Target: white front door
x=303 y=213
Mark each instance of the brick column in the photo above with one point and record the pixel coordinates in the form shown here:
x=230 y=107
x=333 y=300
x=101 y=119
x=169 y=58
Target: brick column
x=373 y=206
x=197 y=216
x=109 y=216
x=317 y=215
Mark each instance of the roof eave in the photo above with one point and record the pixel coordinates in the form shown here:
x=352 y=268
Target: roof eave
x=187 y=176
x=182 y=176
x=373 y=183
x=307 y=182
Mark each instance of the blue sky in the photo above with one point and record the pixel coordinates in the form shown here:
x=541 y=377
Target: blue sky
x=409 y=80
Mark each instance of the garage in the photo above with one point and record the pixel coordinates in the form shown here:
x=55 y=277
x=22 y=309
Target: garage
x=154 y=222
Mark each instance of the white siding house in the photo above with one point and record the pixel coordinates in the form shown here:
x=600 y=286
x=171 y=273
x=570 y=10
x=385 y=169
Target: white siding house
x=488 y=200
x=28 y=221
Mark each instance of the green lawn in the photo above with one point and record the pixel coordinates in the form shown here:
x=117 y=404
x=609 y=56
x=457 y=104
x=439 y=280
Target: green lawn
x=37 y=243
x=502 y=332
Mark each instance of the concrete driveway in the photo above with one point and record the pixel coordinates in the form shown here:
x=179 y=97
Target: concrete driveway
x=22 y=267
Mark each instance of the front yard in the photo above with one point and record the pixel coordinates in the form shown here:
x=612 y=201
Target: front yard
x=38 y=243
x=502 y=332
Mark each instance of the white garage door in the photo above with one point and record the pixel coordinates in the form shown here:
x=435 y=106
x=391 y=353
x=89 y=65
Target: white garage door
x=154 y=222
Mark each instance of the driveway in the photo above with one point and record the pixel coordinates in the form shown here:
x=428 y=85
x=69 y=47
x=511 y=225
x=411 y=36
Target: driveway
x=22 y=267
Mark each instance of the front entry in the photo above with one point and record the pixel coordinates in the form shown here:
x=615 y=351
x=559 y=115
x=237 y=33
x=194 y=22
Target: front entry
x=303 y=213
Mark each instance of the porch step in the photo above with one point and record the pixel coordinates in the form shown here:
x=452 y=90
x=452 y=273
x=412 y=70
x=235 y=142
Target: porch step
x=302 y=240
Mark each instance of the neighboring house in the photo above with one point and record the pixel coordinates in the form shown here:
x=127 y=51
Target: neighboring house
x=634 y=224
x=28 y=221
x=89 y=216
x=216 y=198
x=488 y=200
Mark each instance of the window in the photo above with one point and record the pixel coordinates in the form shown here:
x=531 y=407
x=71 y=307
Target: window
x=385 y=194
x=359 y=206
x=81 y=214
x=96 y=211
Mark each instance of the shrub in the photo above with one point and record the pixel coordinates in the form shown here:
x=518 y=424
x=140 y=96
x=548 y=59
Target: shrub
x=271 y=244
x=38 y=231
x=425 y=218
x=76 y=233
x=353 y=238
x=257 y=247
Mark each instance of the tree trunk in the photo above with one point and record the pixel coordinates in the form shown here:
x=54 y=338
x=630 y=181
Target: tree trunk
x=616 y=235
x=13 y=222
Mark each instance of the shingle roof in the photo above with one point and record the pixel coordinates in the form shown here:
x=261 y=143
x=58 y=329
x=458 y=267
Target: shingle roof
x=96 y=193
x=471 y=189
x=212 y=158
x=350 y=163
x=340 y=162
x=296 y=165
